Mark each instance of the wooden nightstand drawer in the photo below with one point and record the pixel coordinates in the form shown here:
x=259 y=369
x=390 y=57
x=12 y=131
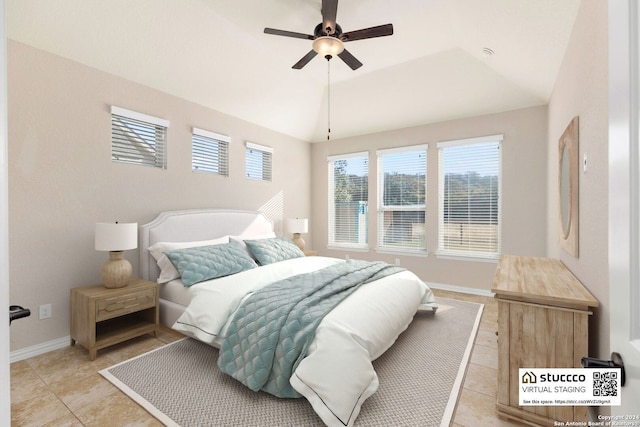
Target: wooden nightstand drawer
x=119 y=305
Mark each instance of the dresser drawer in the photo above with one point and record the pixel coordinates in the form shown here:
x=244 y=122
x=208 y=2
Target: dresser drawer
x=107 y=308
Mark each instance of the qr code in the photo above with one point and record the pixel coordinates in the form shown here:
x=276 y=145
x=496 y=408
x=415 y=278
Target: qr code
x=605 y=384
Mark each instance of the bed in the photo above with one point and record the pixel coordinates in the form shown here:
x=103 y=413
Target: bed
x=326 y=355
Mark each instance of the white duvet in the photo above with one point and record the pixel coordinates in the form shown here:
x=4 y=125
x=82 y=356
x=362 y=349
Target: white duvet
x=337 y=376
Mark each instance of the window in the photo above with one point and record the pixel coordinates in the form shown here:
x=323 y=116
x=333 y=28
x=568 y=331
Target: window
x=138 y=138
x=349 y=200
x=258 y=161
x=470 y=205
x=402 y=180
x=209 y=152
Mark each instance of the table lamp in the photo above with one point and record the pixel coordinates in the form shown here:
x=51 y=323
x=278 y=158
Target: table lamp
x=298 y=226
x=116 y=238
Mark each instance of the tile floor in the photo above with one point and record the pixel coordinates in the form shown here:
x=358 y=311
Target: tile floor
x=63 y=388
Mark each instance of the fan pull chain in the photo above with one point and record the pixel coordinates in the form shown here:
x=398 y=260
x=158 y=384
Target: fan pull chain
x=328 y=99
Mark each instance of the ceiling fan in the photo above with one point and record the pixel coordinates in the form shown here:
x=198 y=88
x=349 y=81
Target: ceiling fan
x=328 y=38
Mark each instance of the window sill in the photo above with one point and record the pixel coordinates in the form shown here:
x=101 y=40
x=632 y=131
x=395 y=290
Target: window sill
x=348 y=248
x=416 y=253
x=470 y=258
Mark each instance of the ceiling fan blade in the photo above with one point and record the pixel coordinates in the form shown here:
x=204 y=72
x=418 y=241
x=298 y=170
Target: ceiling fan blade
x=289 y=34
x=305 y=60
x=329 y=12
x=350 y=60
x=368 y=33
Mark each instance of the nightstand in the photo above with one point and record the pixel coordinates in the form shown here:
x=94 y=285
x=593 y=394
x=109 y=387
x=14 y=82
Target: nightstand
x=310 y=253
x=101 y=317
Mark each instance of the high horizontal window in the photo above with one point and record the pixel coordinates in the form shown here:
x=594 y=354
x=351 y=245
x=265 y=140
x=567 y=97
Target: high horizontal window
x=470 y=197
x=209 y=152
x=402 y=185
x=348 y=200
x=138 y=138
x=258 y=160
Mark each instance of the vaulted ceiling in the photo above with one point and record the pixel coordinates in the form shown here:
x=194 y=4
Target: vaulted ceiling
x=215 y=53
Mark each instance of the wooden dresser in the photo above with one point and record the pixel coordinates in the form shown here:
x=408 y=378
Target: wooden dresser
x=542 y=323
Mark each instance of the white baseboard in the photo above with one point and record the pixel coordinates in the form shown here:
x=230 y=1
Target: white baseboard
x=461 y=289
x=39 y=349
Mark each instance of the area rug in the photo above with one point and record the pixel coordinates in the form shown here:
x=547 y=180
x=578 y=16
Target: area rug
x=420 y=379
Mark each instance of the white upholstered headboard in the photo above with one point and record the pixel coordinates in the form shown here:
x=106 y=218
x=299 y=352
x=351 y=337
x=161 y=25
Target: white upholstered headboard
x=194 y=225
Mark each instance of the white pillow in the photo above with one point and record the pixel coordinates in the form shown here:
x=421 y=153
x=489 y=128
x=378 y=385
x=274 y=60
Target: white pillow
x=241 y=239
x=167 y=270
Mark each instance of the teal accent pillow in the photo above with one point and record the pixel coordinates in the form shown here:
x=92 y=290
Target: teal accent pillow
x=268 y=251
x=209 y=262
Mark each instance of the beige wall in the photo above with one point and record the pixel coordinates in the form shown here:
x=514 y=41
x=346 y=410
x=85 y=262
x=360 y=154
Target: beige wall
x=62 y=180
x=524 y=175
x=582 y=90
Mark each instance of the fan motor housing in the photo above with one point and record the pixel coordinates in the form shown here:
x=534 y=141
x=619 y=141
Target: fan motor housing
x=319 y=31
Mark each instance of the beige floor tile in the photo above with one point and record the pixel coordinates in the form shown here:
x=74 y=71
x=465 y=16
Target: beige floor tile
x=145 y=421
x=26 y=385
x=131 y=348
x=54 y=359
x=481 y=379
x=72 y=360
x=19 y=368
x=476 y=409
x=167 y=335
x=87 y=391
x=70 y=368
x=115 y=410
x=485 y=356
x=66 y=421
x=487 y=338
x=489 y=321
x=452 y=295
x=38 y=411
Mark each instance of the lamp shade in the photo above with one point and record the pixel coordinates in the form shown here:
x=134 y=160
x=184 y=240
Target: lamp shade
x=113 y=236
x=298 y=225
x=328 y=45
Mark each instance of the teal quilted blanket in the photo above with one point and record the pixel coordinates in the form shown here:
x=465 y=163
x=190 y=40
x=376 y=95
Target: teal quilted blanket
x=271 y=331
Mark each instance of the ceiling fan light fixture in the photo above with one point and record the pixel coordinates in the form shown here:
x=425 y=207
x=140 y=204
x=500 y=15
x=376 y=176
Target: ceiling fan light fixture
x=328 y=46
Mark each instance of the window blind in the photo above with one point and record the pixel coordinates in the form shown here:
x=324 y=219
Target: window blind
x=258 y=160
x=402 y=187
x=138 y=138
x=209 y=152
x=348 y=200
x=470 y=197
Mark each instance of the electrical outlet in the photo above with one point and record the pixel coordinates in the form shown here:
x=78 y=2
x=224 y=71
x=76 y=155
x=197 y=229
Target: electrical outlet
x=346 y=257
x=45 y=311
x=397 y=261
